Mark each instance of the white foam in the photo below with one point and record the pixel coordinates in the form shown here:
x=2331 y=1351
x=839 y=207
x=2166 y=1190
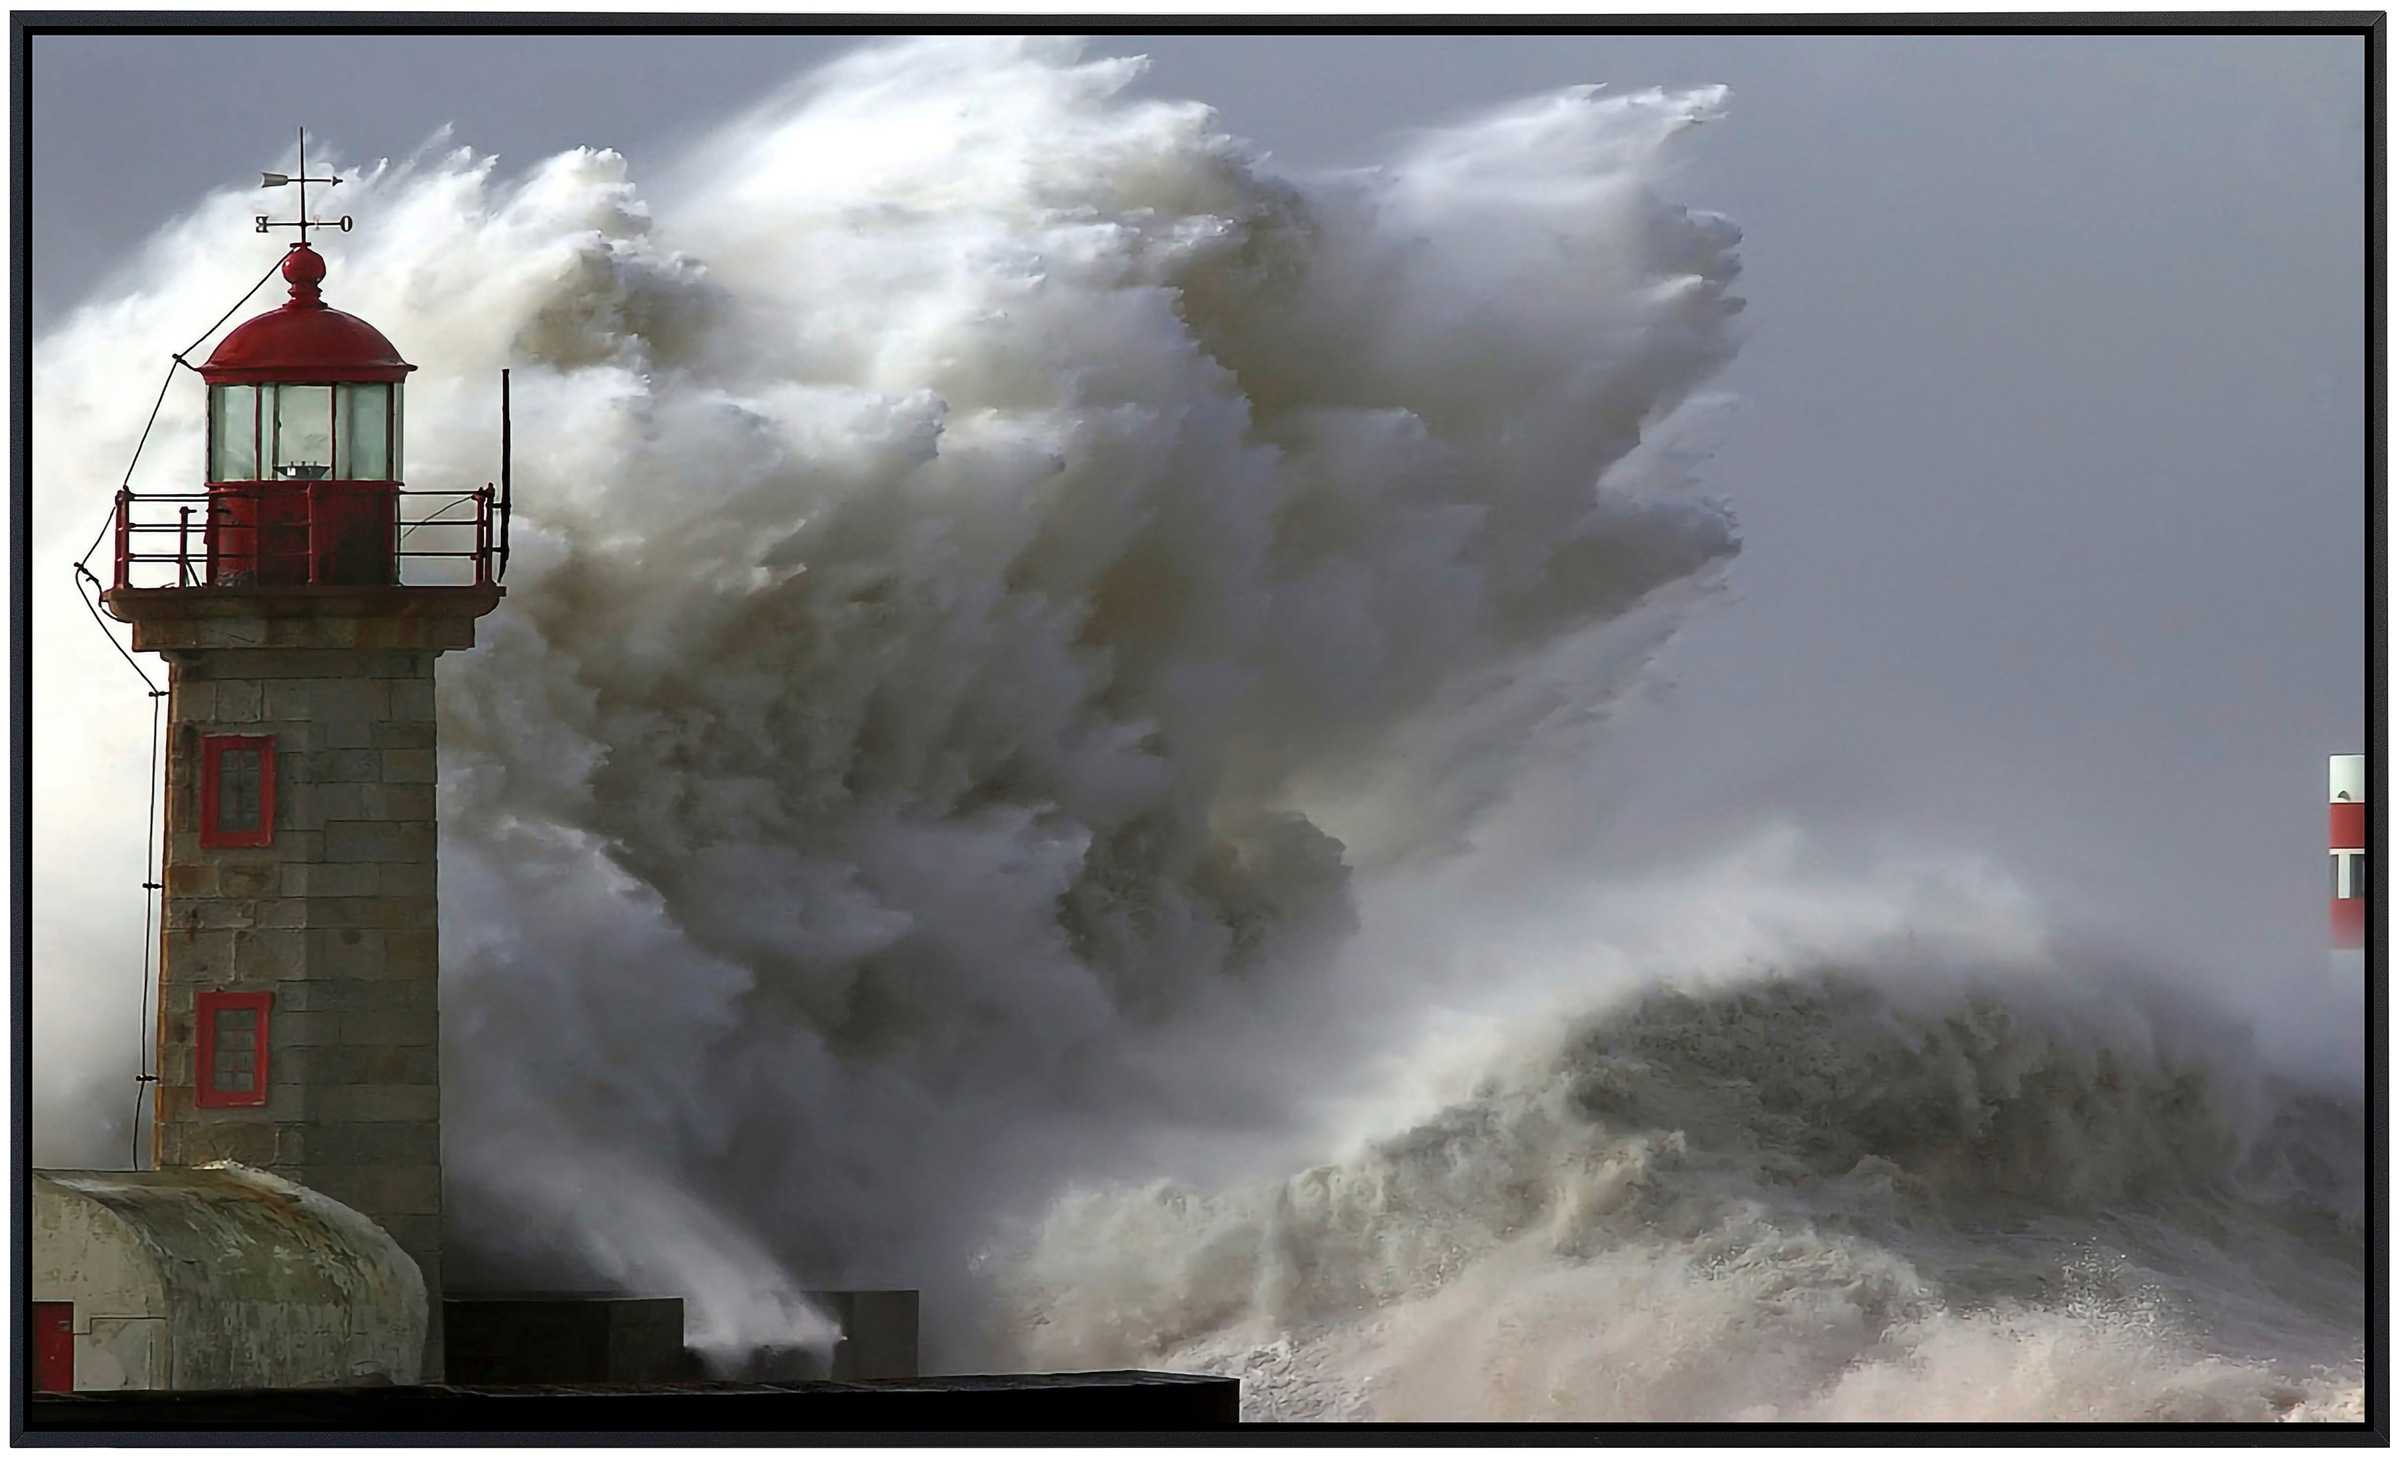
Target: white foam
x=967 y=519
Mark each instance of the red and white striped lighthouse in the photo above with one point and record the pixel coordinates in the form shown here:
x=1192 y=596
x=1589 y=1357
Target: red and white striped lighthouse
x=2348 y=843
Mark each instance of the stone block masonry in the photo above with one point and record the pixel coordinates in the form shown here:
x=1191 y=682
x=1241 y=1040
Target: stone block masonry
x=341 y=898
x=335 y=917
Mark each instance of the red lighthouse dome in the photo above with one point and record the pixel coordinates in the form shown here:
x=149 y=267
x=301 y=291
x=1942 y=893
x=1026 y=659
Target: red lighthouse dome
x=304 y=341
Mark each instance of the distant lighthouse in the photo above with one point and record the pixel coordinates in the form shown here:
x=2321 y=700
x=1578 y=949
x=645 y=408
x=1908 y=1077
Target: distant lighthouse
x=2348 y=849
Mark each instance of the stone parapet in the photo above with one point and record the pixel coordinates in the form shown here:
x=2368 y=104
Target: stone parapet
x=165 y=619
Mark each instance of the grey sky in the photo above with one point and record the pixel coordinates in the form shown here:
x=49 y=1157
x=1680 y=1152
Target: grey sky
x=2050 y=460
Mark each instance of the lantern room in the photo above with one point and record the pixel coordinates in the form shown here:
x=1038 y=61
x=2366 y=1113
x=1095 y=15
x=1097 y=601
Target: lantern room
x=304 y=393
x=304 y=417
x=304 y=469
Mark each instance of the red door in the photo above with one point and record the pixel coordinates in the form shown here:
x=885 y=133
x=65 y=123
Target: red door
x=54 y=1346
x=354 y=531
x=257 y=533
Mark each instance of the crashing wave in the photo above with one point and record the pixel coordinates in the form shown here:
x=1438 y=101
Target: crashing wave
x=1802 y=1197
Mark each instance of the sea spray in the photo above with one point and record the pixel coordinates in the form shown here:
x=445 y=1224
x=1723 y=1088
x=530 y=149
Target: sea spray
x=967 y=517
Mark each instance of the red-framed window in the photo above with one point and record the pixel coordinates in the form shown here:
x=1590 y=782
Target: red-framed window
x=237 y=790
x=233 y=1049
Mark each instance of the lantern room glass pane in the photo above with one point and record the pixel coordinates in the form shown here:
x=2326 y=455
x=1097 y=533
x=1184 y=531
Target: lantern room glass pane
x=303 y=432
x=362 y=422
x=233 y=433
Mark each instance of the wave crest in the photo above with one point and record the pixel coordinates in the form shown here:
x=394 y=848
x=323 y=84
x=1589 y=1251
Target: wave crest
x=1812 y=1195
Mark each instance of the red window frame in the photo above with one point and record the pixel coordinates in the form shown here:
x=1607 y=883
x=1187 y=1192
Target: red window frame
x=213 y=749
x=206 y=1006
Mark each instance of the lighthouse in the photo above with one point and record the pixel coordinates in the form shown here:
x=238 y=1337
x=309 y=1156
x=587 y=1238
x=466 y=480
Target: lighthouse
x=301 y=598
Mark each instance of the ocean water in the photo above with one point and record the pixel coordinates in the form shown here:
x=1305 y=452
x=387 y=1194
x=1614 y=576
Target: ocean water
x=1828 y=1194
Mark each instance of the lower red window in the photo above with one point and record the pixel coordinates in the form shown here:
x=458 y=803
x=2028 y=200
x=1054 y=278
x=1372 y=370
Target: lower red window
x=233 y=1049
x=54 y=1346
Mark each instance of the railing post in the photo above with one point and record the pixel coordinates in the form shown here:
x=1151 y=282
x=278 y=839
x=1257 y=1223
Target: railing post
x=183 y=547
x=215 y=522
x=483 y=537
x=124 y=542
x=316 y=552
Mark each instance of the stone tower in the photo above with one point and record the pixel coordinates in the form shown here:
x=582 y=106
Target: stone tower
x=301 y=601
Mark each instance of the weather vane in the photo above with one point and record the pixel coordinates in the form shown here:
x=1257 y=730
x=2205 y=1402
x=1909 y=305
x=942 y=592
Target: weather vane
x=277 y=179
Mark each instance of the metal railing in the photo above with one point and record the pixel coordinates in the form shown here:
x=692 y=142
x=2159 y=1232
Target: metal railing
x=307 y=533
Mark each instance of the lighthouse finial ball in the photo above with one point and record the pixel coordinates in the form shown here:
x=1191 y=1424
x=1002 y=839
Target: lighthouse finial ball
x=304 y=269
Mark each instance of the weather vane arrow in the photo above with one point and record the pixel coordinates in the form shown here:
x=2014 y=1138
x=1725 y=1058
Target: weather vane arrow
x=277 y=179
